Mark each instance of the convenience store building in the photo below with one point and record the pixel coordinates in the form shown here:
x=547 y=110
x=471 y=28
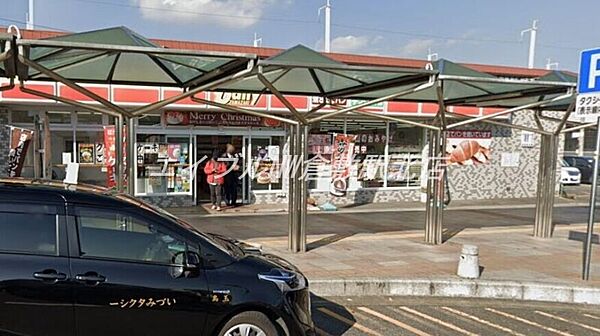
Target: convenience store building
x=390 y=157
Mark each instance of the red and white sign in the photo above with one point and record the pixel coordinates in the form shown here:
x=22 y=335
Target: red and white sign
x=110 y=156
x=196 y=118
x=341 y=163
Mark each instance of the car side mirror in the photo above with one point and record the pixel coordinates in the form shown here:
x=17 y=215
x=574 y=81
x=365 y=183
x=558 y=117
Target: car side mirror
x=189 y=268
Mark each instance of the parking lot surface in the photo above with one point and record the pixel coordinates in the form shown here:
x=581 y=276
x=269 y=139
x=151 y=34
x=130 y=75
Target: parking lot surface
x=445 y=316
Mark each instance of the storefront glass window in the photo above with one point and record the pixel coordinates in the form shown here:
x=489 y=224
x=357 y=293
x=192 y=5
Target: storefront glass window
x=572 y=141
x=163 y=167
x=266 y=156
x=320 y=146
x=382 y=157
x=59 y=117
x=405 y=159
x=23 y=117
x=150 y=120
x=89 y=154
x=89 y=118
x=369 y=149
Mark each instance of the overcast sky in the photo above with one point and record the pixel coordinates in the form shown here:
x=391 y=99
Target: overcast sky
x=476 y=31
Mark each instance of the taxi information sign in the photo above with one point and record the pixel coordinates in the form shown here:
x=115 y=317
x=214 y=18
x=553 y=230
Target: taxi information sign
x=588 y=98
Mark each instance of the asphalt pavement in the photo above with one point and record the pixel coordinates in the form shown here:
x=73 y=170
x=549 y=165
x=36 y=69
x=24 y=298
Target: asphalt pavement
x=375 y=316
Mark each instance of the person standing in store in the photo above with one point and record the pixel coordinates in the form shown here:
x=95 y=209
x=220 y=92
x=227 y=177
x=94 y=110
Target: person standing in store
x=215 y=170
x=232 y=176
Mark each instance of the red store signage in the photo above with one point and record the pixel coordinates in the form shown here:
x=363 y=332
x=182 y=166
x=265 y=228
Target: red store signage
x=195 y=118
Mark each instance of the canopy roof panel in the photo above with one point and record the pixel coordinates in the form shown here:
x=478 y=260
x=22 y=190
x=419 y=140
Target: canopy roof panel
x=121 y=56
x=303 y=71
x=465 y=86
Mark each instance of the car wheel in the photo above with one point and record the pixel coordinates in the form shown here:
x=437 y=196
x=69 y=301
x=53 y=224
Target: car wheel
x=249 y=324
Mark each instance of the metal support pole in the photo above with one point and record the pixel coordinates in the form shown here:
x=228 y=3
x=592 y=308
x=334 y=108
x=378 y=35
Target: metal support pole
x=291 y=189
x=119 y=153
x=36 y=140
x=47 y=144
x=303 y=183
x=298 y=239
x=546 y=186
x=590 y=227
x=435 y=189
x=131 y=155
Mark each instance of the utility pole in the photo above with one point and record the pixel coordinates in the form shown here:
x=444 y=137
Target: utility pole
x=257 y=40
x=29 y=16
x=551 y=65
x=327 y=8
x=532 y=37
x=431 y=56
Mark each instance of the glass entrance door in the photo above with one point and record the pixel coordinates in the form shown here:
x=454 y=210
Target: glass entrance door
x=205 y=145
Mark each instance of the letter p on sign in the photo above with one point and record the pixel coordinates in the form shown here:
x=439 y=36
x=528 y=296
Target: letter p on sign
x=589 y=72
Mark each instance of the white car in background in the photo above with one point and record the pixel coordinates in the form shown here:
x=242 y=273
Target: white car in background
x=569 y=175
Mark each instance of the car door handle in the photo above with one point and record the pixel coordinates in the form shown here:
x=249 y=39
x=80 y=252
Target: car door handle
x=49 y=275
x=90 y=278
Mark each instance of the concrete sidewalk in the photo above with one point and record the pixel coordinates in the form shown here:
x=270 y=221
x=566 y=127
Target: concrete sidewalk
x=506 y=253
x=389 y=245
x=204 y=210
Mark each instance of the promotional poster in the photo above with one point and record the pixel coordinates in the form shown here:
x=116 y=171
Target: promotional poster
x=467 y=147
x=19 y=143
x=110 y=155
x=341 y=162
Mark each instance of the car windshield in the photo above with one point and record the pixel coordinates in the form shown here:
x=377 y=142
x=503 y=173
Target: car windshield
x=564 y=163
x=221 y=242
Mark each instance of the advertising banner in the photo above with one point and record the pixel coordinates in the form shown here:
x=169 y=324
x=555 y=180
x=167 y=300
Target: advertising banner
x=110 y=155
x=194 y=118
x=19 y=143
x=341 y=163
x=466 y=147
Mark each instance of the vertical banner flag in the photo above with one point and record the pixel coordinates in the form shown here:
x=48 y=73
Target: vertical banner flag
x=341 y=162
x=19 y=143
x=110 y=155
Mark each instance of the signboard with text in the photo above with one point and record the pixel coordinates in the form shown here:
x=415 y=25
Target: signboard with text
x=197 y=118
x=588 y=99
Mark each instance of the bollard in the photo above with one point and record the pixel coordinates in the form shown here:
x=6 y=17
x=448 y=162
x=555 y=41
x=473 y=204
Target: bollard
x=468 y=264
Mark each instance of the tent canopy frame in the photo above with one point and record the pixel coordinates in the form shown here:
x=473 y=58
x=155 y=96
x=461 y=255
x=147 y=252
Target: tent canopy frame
x=405 y=85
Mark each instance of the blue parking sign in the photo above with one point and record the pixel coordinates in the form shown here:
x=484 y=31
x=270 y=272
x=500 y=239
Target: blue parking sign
x=589 y=71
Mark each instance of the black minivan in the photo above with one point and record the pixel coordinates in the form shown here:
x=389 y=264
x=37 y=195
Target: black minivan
x=80 y=260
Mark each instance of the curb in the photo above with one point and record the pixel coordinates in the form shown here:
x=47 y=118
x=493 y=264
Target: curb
x=463 y=288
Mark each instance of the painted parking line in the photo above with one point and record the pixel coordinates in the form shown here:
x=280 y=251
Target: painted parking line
x=520 y=319
x=440 y=322
x=558 y=318
x=348 y=322
x=482 y=321
x=592 y=316
x=393 y=321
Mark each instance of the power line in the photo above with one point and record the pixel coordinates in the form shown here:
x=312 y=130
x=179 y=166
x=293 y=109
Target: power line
x=441 y=37
x=433 y=36
x=37 y=25
x=162 y=9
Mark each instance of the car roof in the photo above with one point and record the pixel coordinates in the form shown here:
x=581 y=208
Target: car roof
x=37 y=190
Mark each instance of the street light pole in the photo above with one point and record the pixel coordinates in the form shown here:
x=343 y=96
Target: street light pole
x=590 y=227
x=532 y=39
x=327 y=42
x=30 y=25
